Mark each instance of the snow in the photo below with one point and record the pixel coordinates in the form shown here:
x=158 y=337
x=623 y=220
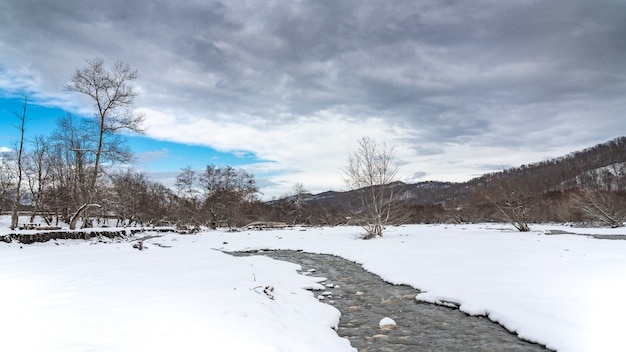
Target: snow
x=386 y=321
x=564 y=291
x=89 y=296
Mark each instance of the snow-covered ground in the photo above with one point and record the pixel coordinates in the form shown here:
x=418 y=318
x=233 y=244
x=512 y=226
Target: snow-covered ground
x=564 y=291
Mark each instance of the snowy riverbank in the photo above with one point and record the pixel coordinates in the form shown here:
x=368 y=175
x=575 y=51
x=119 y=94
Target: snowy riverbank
x=180 y=293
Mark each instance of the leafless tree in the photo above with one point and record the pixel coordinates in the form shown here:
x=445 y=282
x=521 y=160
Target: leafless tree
x=38 y=170
x=113 y=96
x=227 y=192
x=512 y=202
x=297 y=203
x=371 y=170
x=70 y=164
x=7 y=181
x=20 y=172
x=186 y=184
x=602 y=198
x=292 y=207
x=187 y=190
x=607 y=207
x=133 y=199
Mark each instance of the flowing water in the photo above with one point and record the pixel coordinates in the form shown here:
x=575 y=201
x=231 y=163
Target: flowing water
x=364 y=299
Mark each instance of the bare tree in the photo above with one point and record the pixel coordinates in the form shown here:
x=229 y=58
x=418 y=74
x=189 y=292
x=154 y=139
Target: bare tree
x=186 y=183
x=37 y=173
x=70 y=164
x=227 y=192
x=609 y=208
x=603 y=198
x=297 y=203
x=20 y=171
x=131 y=200
x=113 y=96
x=6 y=180
x=512 y=201
x=372 y=171
x=187 y=190
x=515 y=208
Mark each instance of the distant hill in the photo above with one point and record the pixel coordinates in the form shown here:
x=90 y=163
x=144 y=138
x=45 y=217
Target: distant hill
x=577 y=169
x=601 y=167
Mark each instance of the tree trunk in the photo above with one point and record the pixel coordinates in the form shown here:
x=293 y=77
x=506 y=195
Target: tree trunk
x=18 y=195
x=80 y=212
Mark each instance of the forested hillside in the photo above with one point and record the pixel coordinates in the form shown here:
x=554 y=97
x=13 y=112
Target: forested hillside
x=551 y=190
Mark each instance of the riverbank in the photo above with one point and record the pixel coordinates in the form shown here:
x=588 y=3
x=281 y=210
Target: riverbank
x=559 y=290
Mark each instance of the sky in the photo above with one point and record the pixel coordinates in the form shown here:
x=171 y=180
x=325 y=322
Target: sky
x=285 y=89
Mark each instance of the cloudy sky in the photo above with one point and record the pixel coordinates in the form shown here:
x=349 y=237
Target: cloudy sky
x=286 y=88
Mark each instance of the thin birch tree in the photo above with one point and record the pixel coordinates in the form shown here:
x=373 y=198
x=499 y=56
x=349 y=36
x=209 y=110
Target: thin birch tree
x=20 y=150
x=371 y=171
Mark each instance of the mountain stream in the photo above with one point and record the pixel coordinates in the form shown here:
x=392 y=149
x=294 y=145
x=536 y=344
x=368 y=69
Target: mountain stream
x=364 y=299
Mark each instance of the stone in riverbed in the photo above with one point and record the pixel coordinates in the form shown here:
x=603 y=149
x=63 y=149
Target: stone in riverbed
x=376 y=337
x=354 y=308
x=386 y=323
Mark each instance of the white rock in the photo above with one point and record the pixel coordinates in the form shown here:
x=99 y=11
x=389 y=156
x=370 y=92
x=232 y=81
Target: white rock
x=386 y=322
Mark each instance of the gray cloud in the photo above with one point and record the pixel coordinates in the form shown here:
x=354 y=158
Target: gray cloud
x=528 y=75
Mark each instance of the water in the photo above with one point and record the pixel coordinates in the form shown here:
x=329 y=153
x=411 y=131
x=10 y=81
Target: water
x=364 y=299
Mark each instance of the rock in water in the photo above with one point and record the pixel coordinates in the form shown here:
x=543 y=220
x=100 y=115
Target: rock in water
x=387 y=323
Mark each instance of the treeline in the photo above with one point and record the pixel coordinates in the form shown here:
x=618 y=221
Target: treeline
x=71 y=176
x=57 y=180
x=583 y=186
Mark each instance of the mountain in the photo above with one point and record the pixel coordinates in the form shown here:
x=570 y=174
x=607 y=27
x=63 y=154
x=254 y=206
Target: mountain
x=600 y=168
